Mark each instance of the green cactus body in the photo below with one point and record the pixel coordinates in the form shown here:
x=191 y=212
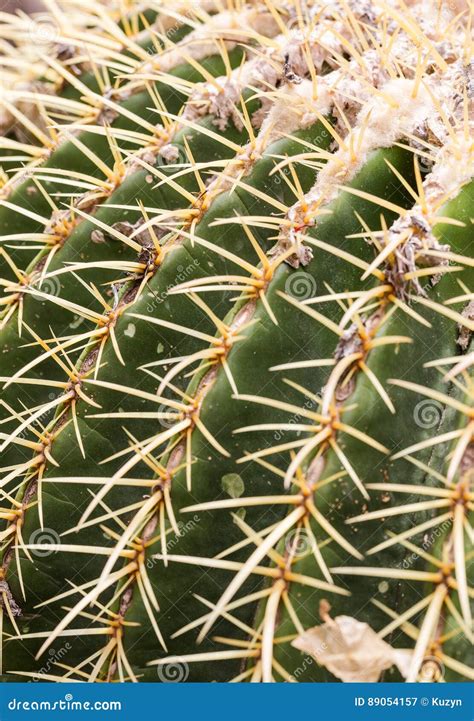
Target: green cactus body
x=236 y=403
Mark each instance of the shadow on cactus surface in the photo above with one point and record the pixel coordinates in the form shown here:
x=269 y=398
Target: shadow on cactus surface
x=236 y=418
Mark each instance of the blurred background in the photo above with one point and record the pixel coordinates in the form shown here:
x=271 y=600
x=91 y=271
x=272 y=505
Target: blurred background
x=28 y=6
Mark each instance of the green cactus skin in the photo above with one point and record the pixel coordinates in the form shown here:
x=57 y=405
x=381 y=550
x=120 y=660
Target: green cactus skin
x=236 y=388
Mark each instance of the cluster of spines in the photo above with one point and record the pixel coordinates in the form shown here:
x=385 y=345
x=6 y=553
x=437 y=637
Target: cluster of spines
x=188 y=407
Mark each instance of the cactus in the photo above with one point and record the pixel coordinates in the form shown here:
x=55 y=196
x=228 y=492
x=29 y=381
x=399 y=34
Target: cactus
x=236 y=424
